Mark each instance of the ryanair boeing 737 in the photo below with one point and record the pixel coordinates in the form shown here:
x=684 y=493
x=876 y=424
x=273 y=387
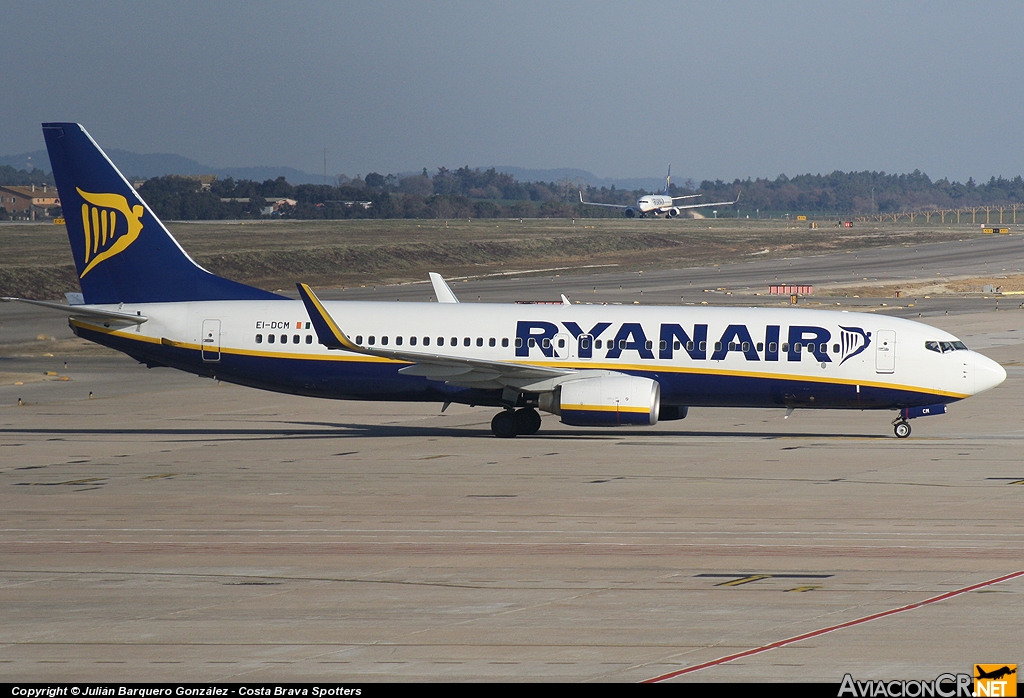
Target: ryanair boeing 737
x=590 y=365
x=659 y=204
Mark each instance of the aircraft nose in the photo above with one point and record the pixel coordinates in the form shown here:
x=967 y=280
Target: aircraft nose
x=987 y=373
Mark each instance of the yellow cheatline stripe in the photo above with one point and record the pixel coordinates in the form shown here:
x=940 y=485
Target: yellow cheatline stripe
x=548 y=364
x=326 y=317
x=605 y=408
x=230 y=350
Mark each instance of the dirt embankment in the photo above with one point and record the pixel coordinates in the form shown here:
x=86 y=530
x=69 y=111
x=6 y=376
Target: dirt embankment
x=36 y=259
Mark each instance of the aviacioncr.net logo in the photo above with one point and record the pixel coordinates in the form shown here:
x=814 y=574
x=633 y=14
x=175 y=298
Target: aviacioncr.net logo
x=110 y=226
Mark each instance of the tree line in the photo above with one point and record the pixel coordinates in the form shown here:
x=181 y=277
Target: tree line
x=475 y=193
x=866 y=192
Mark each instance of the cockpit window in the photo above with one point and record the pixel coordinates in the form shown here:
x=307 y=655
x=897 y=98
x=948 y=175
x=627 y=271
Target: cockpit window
x=944 y=347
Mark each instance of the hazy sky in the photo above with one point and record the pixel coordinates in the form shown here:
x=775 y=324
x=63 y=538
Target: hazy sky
x=717 y=88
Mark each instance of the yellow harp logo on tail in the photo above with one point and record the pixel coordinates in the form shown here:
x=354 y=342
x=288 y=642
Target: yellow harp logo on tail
x=106 y=232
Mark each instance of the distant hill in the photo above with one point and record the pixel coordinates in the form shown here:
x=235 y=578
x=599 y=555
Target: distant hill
x=631 y=183
x=136 y=166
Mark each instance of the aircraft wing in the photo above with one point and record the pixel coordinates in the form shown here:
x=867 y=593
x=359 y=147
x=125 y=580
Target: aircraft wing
x=441 y=289
x=593 y=203
x=83 y=312
x=713 y=203
x=688 y=196
x=456 y=370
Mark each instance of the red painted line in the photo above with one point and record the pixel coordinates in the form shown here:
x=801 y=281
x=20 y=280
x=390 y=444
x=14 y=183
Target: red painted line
x=833 y=628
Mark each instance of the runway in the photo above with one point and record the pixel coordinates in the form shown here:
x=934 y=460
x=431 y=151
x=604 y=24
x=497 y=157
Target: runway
x=170 y=528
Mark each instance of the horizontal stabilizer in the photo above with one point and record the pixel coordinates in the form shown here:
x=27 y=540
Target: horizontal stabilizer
x=83 y=312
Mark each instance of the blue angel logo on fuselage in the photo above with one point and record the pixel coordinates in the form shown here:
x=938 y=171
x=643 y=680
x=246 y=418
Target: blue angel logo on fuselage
x=853 y=341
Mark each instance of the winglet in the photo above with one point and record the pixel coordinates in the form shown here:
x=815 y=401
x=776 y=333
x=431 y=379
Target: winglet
x=327 y=331
x=441 y=289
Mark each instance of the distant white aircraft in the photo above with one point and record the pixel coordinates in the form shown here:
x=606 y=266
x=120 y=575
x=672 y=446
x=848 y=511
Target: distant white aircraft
x=591 y=365
x=659 y=204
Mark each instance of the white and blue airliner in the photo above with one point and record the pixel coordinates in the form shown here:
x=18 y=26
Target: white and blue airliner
x=591 y=365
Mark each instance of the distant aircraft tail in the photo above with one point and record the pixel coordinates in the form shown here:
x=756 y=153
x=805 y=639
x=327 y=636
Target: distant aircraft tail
x=123 y=253
x=668 y=180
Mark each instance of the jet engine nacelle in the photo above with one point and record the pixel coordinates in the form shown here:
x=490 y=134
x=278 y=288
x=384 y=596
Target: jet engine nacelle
x=629 y=213
x=672 y=212
x=605 y=401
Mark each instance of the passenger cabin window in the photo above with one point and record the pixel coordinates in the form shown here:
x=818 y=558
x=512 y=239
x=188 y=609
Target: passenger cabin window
x=412 y=341
x=584 y=342
x=835 y=348
x=479 y=341
x=785 y=347
x=760 y=346
x=504 y=341
x=519 y=342
x=648 y=345
x=284 y=339
x=271 y=338
x=259 y=339
x=491 y=342
x=455 y=341
x=309 y=339
x=561 y=343
x=359 y=339
x=718 y=346
x=703 y=346
x=773 y=347
x=384 y=340
x=426 y=341
x=466 y=341
x=372 y=340
x=597 y=343
x=532 y=343
x=745 y=346
x=398 y=340
x=295 y=339
x=622 y=344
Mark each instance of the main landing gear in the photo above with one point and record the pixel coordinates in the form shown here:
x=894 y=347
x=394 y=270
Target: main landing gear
x=901 y=428
x=522 y=422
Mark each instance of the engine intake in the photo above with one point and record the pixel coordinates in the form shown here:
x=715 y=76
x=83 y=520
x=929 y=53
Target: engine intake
x=605 y=401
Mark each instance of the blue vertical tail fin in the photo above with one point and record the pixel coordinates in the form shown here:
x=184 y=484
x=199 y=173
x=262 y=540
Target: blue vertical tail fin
x=123 y=253
x=668 y=180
